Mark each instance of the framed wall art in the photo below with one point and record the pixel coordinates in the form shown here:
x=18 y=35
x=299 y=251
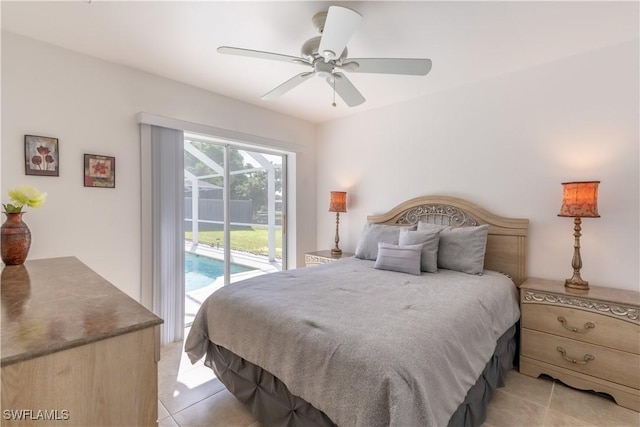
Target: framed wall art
x=99 y=171
x=41 y=156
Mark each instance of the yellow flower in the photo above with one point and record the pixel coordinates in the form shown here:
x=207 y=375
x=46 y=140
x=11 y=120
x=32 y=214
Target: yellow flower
x=25 y=195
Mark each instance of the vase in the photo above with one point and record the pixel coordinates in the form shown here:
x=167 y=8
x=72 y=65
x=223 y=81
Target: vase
x=15 y=239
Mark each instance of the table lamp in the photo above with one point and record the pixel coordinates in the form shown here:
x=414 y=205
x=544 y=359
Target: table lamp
x=579 y=200
x=337 y=204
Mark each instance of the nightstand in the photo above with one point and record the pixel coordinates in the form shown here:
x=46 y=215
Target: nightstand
x=322 y=257
x=587 y=339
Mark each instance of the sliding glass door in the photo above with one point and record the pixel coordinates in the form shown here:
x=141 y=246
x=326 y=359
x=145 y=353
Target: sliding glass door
x=256 y=210
x=234 y=215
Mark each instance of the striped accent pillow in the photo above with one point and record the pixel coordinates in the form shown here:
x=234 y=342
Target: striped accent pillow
x=404 y=259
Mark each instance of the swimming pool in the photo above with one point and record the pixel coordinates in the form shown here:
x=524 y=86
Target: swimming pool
x=201 y=271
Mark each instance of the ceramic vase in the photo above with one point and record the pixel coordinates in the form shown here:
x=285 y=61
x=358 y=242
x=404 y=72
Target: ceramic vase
x=15 y=239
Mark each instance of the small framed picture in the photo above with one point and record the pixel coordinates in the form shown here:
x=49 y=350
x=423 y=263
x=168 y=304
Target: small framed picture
x=99 y=171
x=41 y=156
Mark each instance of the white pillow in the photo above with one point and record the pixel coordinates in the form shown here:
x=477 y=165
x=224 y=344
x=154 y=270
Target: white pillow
x=404 y=259
x=372 y=234
x=463 y=248
x=429 y=241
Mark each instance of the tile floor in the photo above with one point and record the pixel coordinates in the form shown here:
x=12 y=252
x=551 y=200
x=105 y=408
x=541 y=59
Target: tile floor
x=191 y=395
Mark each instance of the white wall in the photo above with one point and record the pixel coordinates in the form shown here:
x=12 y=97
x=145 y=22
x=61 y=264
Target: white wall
x=91 y=106
x=506 y=144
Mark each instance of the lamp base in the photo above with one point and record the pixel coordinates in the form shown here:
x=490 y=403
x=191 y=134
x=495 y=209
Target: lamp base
x=576 y=283
x=336 y=253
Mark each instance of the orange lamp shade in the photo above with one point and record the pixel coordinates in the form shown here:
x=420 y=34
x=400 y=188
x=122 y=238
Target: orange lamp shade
x=338 y=201
x=580 y=199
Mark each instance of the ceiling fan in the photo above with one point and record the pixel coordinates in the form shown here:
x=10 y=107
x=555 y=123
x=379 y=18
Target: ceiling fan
x=327 y=56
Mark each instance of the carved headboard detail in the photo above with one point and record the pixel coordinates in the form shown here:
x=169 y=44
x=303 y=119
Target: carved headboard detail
x=507 y=240
x=437 y=214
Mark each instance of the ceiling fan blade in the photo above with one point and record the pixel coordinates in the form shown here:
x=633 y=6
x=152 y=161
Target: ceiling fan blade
x=286 y=86
x=347 y=91
x=262 y=55
x=405 y=66
x=338 y=29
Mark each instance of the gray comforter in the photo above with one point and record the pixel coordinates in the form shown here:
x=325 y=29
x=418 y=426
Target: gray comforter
x=367 y=347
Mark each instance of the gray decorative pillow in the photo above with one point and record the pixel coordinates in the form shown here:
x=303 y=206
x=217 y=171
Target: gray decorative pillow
x=429 y=241
x=404 y=259
x=372 y=234
x=463 y=248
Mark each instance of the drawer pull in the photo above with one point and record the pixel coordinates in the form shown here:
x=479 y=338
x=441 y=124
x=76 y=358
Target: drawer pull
x=586 y=359
x=587 y=326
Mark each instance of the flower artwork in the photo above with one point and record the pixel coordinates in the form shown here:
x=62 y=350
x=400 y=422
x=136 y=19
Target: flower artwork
x=41 y=155
x=99 y=171
x=100 y=168
x=43 y=160
x=22 y=196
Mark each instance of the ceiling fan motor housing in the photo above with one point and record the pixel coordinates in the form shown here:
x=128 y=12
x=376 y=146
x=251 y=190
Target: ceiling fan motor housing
x=309 y=50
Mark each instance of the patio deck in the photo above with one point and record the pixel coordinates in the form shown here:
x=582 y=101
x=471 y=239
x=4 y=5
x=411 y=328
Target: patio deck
x=195 y=298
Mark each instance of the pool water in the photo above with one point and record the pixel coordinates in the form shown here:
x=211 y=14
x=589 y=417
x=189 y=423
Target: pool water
x=201 y=271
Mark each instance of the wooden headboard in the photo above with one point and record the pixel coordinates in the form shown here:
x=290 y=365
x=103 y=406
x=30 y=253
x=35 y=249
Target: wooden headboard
x=507 y=240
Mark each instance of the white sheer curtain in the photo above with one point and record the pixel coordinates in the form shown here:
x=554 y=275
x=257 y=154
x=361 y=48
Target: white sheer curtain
x=167 y=230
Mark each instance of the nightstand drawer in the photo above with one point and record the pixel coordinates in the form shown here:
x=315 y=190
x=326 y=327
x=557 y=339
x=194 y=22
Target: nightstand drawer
x=589 y=327
x=612 y=365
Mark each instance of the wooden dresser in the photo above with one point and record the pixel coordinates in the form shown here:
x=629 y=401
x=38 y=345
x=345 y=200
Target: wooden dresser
x=76 y=351
x=587 y=339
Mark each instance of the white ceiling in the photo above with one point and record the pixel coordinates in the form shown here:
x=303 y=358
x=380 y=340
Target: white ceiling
x=467 y=41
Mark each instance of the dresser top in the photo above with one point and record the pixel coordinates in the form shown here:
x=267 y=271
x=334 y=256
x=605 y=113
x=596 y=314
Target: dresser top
x=54 y=304
x=620 y=296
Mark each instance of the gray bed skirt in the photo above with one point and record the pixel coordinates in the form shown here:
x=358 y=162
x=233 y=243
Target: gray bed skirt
x=273 y=405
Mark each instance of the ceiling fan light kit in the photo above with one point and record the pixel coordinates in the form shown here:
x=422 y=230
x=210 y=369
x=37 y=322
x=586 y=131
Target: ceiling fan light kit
x=327 y=54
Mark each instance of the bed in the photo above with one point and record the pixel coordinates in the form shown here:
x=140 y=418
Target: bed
x=357 y=343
